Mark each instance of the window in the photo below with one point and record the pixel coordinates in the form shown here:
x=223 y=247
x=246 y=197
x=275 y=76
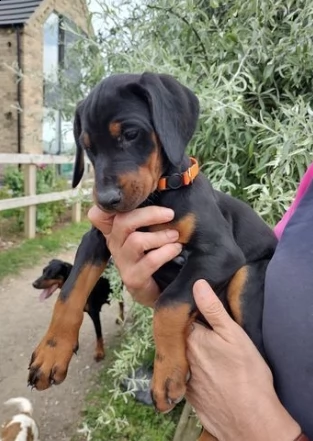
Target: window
x=51 y=51
x=58 y=40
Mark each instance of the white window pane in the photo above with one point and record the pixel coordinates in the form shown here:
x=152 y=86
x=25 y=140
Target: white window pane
x=50 y=50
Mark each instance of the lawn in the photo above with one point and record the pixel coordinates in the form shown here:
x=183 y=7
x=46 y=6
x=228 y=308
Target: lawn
x=130 y=421
x=143 y=422
x=29 y=252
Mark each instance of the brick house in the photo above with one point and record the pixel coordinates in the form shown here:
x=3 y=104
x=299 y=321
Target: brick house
x=34 y=41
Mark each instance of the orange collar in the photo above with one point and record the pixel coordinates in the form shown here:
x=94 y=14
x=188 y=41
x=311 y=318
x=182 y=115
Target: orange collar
x=177 y=180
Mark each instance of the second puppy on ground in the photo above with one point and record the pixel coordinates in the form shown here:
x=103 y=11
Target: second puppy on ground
x=54 y=276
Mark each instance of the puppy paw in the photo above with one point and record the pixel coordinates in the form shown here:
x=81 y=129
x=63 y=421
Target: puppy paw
x=169 y=382
x=50 y=360
x=99 y=353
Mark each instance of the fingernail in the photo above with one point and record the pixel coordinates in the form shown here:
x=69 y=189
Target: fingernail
x=172 y=234
x=201 y=287
x=178 y=246
x=168 y=212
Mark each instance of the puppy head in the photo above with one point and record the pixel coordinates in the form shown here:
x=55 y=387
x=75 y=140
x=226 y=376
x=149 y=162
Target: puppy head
x=132 y=127
x=53 y=277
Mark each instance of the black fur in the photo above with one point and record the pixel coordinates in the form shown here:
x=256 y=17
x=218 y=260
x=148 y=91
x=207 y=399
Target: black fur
x=59 y=270
x=157 y=117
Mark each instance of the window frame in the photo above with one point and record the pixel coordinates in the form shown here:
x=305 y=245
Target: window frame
x=61 y=57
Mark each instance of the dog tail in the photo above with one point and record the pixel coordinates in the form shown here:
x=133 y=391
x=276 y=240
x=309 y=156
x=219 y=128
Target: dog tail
x=23 y=405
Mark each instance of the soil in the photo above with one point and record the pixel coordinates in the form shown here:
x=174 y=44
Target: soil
x=23 y=322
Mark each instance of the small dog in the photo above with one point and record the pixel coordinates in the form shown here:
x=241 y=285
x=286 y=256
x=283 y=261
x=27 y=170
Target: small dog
x=54 y=276
x=21 y=427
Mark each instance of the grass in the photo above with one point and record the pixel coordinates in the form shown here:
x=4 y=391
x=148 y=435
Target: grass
x=143 y=422
x=30 y=251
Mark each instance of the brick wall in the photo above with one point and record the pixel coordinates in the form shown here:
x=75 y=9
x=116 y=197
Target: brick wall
x=32 y=85
x=8 y=91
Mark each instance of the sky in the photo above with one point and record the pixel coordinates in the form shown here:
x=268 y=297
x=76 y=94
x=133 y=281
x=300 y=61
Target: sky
x=95 y=7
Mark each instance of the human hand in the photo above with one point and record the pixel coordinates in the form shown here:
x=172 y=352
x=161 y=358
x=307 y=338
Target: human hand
x=128 y=247
x=231 y=386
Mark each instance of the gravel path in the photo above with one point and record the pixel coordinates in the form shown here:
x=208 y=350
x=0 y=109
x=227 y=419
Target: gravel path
x=23 y=322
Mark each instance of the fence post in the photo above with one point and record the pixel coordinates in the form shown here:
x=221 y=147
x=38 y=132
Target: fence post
x=30 y=190
x=187 y=428
x=77 y=208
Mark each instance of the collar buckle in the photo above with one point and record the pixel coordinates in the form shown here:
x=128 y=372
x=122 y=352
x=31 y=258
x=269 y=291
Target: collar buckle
x=178 y=180
x=174 y=181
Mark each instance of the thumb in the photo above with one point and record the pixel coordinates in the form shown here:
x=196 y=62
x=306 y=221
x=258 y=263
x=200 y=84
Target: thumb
x=211 y=307
x=101 y=220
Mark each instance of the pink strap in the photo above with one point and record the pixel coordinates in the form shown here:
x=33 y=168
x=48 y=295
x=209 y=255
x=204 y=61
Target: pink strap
x=303 y=186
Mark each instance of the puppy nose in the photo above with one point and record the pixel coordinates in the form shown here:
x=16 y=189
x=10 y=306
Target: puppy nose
x=35 y=284
x=110 y=199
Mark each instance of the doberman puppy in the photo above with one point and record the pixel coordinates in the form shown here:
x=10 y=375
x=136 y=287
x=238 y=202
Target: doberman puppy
x=54 y=276
x=135 y=129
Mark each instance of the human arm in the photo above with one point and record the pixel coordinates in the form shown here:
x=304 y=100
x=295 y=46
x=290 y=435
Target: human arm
x=248 y=408
x=231 y=387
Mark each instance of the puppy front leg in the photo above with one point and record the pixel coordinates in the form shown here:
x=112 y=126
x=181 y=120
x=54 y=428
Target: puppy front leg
x=50 y=360
x=175 y=311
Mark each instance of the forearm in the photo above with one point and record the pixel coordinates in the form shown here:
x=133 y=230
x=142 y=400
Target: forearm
x=231 y=386
x=279 y=424
x=268 y=421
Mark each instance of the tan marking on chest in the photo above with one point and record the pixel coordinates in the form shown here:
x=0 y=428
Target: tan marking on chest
x=185 y=226
x=234 y=293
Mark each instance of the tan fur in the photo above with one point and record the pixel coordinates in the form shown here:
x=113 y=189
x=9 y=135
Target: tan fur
x=185 y=226
x=115 y=129
x=234 y=293
x=21 y=427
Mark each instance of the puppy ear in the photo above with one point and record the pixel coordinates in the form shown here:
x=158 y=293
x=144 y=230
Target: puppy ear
x=79 y=159
x=174 y=109
x=67 y=267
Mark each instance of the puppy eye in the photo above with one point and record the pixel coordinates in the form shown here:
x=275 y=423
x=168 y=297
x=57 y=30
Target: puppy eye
x=130 y=135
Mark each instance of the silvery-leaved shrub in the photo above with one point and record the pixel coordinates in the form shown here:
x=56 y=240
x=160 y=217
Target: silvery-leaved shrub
x=250 y=62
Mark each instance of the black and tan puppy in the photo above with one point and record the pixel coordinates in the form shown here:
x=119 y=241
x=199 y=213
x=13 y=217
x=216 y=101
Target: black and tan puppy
x=53 y=277
x=135 y=129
